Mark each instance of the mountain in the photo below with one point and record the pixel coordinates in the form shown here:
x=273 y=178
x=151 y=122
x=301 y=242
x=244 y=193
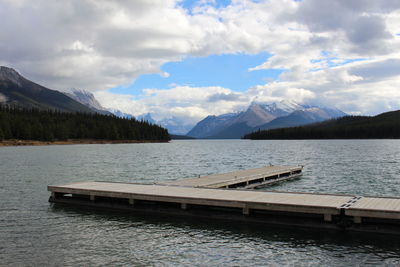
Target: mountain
x=87 y=98
x=385 y=125
x=302 y=117
x=120 y=114
x=146 y=117
x=174 y=125
x=261 y=115
x=16 y=90
x=212 y=125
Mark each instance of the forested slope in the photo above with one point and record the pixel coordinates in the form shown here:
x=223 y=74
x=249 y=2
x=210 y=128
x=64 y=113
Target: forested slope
x=54 y=125
x=385 y=125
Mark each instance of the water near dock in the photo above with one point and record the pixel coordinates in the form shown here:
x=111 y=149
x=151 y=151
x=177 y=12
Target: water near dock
x=33 y=233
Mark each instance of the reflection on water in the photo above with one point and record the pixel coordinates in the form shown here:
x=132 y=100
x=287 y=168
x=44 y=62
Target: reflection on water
x=35 y=233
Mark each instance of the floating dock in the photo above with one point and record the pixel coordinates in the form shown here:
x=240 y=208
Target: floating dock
x=251 y=178
x=373 y=214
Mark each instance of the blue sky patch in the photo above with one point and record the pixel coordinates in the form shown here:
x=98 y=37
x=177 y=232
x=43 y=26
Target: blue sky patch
x=190 y=4
x=227 y=70
x=331 y=60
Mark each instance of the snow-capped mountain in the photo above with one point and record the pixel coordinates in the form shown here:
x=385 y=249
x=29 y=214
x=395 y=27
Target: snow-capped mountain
x=120 y=114
x=261 y=115
x=279 y=109
x=173 y=124
x=87 y=98
x=146 y=117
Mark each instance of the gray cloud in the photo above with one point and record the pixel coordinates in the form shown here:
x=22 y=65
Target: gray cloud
x=368 y=33
x=377 y=71
x=224 y=97
x=361 y=21
x=101 y=44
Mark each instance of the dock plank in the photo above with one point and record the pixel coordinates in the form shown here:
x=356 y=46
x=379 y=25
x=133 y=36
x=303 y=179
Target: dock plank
x=374 y=207
x=328 y=209
x=207 y=196
x=236 y=177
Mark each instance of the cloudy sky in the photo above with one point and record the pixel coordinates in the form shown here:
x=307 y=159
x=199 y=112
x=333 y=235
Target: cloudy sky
x=189 y=59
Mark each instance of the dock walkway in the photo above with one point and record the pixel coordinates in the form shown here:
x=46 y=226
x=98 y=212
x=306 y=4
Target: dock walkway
x=251 y=178
x=337 y=211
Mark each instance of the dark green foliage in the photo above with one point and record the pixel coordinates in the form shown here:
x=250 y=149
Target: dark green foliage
x=54 y=125
x=385 y=125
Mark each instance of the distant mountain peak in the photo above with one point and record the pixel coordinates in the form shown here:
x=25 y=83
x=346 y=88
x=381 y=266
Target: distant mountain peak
x=86 y=98
x=10 y=74
x=259 y=115
x=146 y=117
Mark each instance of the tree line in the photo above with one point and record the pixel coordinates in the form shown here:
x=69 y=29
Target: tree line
x=51 y=125
x=385 y=125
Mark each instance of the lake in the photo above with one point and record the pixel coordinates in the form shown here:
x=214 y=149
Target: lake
x=35 y=233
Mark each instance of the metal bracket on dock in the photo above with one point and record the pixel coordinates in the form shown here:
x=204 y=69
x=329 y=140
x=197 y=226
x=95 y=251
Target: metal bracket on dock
x=348 y=204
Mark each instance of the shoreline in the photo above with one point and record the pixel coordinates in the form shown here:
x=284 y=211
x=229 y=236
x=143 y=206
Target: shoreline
x=14 y=142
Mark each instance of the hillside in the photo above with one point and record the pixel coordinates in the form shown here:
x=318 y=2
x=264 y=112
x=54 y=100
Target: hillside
x=17 y=91
x=54 y=126
x=385 y=125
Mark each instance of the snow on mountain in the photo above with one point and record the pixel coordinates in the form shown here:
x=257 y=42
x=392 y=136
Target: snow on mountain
x=86 y=98
x=174 y=125
x=9 y=74
x=146 y=117
x=260 y=115
x=281 y=108
x=120 y=114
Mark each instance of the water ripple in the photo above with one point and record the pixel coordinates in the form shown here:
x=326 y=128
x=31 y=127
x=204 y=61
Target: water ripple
x=34 y=233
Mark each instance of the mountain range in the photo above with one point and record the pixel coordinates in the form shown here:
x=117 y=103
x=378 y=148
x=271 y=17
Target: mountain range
x=15 y=90
x=262 y=116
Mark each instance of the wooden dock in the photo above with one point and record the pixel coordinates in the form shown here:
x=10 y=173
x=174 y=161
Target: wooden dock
x=251 y=178
x=372 y=214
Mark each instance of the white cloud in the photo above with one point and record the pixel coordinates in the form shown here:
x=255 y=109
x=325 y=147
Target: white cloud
x=189 y=104
x=101 y=44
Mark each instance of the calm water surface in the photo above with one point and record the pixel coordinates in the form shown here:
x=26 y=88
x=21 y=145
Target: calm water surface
x=34 y=233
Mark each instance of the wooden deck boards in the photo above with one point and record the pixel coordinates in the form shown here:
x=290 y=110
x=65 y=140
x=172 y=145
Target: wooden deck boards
x=375 y=207
x=236 y=177
x=213 y=194
x=239 y=196
x=388 y=208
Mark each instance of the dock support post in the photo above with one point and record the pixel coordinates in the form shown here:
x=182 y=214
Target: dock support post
x=327 y=217
x=357 y=219
x=246 y=211
x=92 y=197
x=184 y=206
x=131 y=201
x=53 y=195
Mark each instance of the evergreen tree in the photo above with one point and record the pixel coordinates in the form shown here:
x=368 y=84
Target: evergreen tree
x=16 y=123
